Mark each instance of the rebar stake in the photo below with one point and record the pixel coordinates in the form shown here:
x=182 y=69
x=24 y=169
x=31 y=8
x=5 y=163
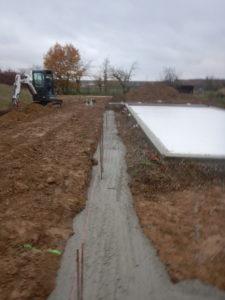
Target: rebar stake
x=101 y=151
x=82 y=272
x=78 y=274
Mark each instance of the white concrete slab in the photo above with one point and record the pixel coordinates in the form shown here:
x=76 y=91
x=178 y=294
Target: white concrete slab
x=188 y=131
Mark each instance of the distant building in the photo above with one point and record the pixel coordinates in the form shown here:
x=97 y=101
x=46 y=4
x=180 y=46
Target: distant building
x=187 y=89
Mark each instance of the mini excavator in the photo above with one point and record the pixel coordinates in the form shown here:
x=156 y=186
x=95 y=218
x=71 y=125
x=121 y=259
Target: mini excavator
x=41 y=87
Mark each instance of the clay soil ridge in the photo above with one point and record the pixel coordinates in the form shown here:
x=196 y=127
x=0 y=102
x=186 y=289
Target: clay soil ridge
x=45 y=167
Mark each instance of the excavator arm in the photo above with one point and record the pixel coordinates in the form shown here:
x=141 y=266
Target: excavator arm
x=17 y=87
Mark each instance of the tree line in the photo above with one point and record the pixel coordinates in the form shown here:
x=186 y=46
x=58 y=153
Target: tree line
x=7 y=77
x=69 y=68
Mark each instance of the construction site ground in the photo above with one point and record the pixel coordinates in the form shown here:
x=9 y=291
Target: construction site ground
x=180 y=204
x=45 y=165
x=119 y=262
x=181 y=207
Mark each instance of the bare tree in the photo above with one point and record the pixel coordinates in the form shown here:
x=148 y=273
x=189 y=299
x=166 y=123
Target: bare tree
x=105 y=71
x=83 y=67
x=213 y=84
x=170 y=76
x=7 y=76
x=98 y=81
x=37 y=67
x=102 y=76
x=123 y=76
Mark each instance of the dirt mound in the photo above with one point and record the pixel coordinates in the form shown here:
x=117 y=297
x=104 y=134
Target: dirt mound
x=118 y=98
x=152 y=92
x=45 y=166
x=24 y=113
x=221 y=92
x=3 y=111
x=13 y=115
x=34 y=107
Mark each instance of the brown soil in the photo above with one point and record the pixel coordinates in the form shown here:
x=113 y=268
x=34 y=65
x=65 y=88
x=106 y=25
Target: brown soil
x=24 y=113
x=3 y=111
x=153 y=92
x=181 y=207
x=45 y=164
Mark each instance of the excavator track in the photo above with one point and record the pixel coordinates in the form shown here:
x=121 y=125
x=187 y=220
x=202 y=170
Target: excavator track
x=57 y=103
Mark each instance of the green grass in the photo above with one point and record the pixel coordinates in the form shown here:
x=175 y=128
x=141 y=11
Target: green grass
x=211 y=97
x=146 y=163
x=6 y=96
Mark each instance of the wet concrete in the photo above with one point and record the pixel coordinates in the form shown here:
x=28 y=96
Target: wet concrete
x=119 y=261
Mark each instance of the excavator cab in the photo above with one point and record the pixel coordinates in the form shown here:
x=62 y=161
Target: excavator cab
x=44 y=85
x=41 y=87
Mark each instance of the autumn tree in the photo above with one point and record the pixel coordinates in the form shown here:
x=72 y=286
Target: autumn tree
x=65 y=62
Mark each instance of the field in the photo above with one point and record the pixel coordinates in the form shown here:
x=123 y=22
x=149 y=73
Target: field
x=47 y=156
x=211 y=98
x=6 y=96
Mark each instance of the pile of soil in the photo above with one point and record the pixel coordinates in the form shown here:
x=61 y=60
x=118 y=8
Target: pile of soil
x=221 y=92
x=181 y=207
x=45 y=167
x=3 y=111
x=153 y=93
x=150 y=92
x=24 y=113
x=162 y=93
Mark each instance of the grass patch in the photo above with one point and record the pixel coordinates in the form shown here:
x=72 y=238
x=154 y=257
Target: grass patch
x=146 y=163
x=211 y=97
x=6 y=96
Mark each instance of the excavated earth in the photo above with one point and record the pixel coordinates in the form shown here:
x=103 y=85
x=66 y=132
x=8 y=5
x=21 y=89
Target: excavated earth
x=180 y=205
x=162 y=93
x=45 y=166
x=181 y=208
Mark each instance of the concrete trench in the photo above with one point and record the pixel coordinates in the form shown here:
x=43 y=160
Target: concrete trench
x=119 y=261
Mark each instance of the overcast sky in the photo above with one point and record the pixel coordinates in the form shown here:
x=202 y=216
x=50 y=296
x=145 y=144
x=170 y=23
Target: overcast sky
x=187 y=35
